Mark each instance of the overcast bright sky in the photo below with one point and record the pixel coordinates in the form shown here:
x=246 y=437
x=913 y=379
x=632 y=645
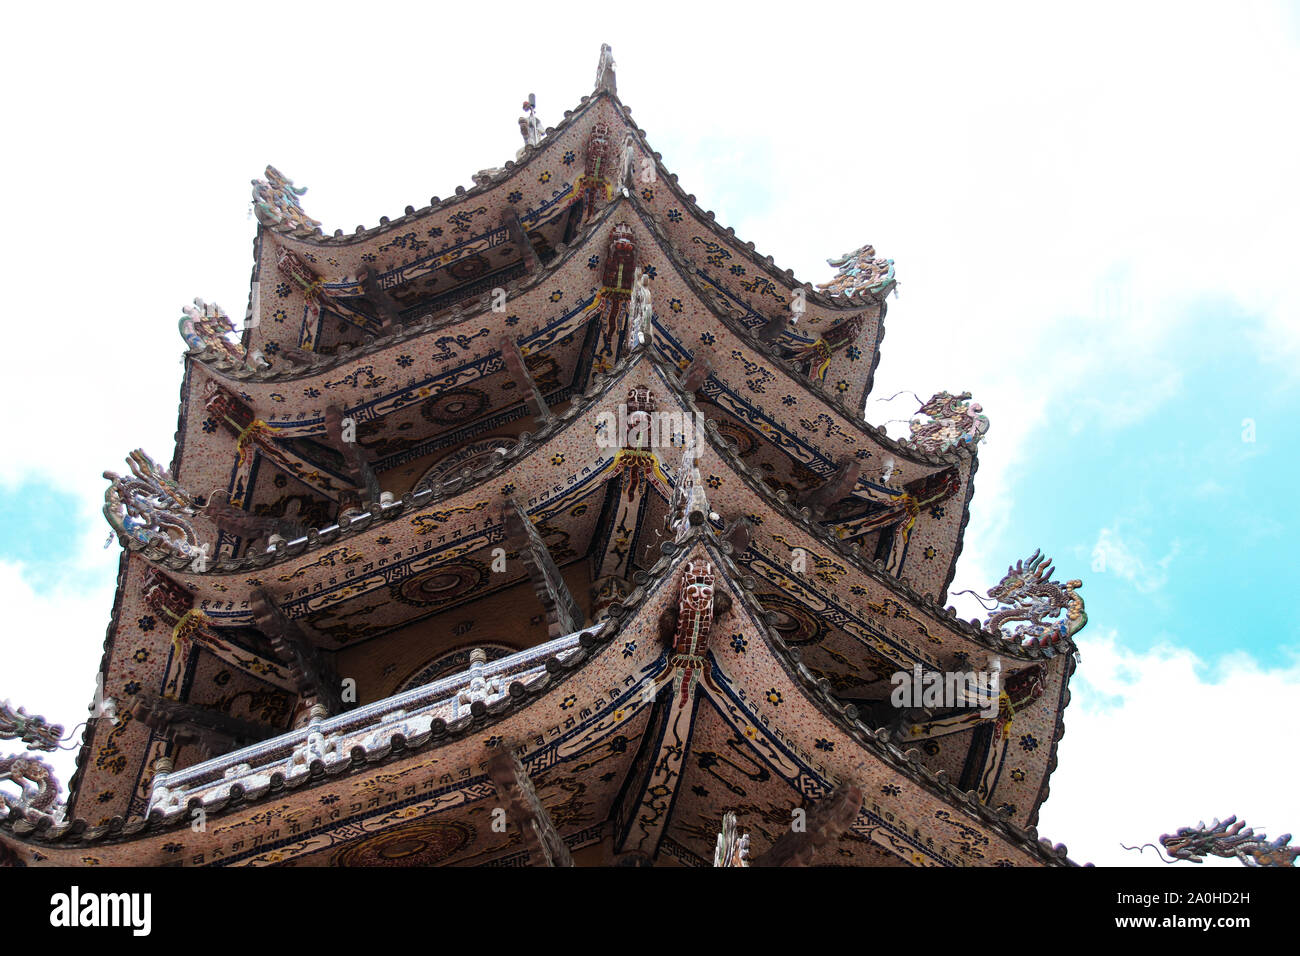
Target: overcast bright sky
x=1093 y=218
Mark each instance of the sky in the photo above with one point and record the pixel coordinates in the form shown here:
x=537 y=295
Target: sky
x=1092 y=212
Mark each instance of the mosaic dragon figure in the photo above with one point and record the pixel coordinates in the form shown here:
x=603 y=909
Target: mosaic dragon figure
x=639 y=312
x=150 y=507
x=1231 y=838
x=275 y=202
x=1030 y=595
x=952 y=421
x=206 y=326
x=860 y=271
x=38 y=788
x=732 y=848
x=32 y=729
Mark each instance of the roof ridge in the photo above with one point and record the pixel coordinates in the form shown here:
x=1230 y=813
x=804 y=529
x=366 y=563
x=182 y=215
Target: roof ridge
x=436 y=204
x=709 y=218
x=215 y=361
x=876 y=432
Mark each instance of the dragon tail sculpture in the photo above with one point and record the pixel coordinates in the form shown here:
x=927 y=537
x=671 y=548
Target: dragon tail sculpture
x=1227 y=839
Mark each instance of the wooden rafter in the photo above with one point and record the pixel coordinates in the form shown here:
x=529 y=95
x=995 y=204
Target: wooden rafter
x=212 y=731
x=823 y=822
x=390 y=311
x=563 y=614
x=532 y=261
x=518 y=370
x=525 y=811
x=313 y=674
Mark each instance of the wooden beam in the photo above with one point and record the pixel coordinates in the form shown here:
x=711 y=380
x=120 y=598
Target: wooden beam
x=214 y=732
x=354 y=456
x=308 y=667
x=737 y=534
x=840 y=485
x=524 y=810
x=823 y=822
x=773 y=329
x=701 y=368
x=390 y=311
x=572 y=221
x=239 y=523
x=643 y=814
x=524 y=245
x=518 y=369
x=562 y=611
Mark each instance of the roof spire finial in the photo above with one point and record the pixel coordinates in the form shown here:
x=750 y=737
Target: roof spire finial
x=530 y=127
x=605 y=70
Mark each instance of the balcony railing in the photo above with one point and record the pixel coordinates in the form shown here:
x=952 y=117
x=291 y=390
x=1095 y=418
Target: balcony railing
x=329 y=741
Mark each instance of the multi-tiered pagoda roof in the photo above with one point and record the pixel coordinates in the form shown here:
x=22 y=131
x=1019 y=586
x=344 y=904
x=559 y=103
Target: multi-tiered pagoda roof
x=420 y=587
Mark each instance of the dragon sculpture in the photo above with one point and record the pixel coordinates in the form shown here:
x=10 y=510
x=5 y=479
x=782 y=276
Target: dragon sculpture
x=275 y=202
x=1028 y=594
x=38 y=788
x=953 y=421
x=732 y=848
x=1228 y=839
x=150 y=507
x=206 y=326
x=860 y=272
x=689 y=506
x=639 y=312
x=31 y=729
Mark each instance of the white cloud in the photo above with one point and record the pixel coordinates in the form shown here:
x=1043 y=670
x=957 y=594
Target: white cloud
x=51 y=654
x=1124 y=777
x=1114 y=554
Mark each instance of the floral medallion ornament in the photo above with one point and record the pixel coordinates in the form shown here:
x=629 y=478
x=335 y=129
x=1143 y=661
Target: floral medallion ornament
x=275 y=203
x=952 y=421
x=860 y=271
x=422 y=843
x=440 y=585
x=467 y=460
x=150 y=508
x=458 y=405
x=1028 y=594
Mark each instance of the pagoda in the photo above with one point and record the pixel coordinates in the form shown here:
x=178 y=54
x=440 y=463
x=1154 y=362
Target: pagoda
x=541 y=525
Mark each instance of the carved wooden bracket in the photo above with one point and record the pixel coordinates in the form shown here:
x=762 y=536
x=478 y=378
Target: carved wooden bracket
x=308 y=667
x=525 y=810
x=563 y=613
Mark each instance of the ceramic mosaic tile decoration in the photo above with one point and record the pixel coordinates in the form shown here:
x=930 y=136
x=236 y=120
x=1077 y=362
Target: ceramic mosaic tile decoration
x=542 y=526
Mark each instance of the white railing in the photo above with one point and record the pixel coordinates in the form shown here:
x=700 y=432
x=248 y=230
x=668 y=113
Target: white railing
x=372 y=726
